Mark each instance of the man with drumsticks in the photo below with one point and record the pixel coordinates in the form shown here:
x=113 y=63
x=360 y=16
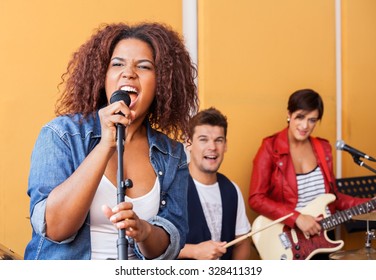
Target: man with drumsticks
x=216 y=211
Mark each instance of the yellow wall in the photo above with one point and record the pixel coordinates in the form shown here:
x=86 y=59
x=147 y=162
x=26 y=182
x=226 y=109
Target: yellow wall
x=252 y=55
x=359 y=86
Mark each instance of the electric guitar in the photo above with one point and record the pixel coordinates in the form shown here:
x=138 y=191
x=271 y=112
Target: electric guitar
x=280 y=242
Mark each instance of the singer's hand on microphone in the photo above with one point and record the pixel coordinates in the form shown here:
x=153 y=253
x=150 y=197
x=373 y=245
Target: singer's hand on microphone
x=111 y=115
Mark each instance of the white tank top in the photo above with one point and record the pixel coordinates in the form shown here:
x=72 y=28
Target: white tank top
x=103 y=233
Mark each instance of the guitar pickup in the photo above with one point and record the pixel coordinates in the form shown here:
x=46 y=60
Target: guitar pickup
x=285 y=240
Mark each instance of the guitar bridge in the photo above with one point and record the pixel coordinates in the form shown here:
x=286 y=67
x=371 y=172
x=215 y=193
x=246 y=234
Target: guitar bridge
x=285 y=240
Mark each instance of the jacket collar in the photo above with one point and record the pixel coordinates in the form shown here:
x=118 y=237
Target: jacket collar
x=281 y=143
x=157 y=139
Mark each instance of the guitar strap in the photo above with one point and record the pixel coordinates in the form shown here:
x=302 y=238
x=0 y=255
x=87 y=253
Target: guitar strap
x=320 y=151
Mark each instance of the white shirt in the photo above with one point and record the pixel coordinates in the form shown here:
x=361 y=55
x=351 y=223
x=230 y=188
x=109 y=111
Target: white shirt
x=210 y=198
x=104 y=234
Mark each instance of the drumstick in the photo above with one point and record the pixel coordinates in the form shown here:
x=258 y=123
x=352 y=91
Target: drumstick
x=245 y=236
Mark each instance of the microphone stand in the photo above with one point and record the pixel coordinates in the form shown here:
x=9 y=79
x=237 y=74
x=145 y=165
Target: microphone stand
x=361 y=163
x=122 y=242
x=370 y=234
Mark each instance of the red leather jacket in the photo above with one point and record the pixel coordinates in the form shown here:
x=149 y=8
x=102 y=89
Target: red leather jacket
x=273 y=191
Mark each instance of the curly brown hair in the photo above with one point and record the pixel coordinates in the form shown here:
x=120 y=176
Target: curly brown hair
x=176 y=92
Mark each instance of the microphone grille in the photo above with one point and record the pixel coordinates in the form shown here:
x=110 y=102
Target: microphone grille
x=120 y=95
x=340 y=144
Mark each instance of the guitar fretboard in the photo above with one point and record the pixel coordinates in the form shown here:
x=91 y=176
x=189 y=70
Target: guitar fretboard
x=345 y=215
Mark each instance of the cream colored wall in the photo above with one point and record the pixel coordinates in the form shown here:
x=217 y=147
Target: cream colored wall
x=252 y=55
x=37 y=39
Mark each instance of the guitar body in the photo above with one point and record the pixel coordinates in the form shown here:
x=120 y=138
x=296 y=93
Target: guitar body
x=280 y=242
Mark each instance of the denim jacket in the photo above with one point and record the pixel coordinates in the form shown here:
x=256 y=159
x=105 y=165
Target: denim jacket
x=61 y=147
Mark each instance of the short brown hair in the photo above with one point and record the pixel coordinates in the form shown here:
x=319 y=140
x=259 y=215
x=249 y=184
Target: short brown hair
x=210 y=116
x=307 y=100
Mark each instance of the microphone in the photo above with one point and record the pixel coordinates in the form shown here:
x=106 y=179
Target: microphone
x=121 y=95
x=118 y=96
x=354 y=152
x=122 y=242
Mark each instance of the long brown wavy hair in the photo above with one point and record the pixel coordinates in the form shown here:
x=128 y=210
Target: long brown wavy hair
x=176 y=96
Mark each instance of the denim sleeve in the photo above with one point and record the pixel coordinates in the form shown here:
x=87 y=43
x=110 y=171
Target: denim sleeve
x=173 y=248
x=51 y=164
x=39 y=224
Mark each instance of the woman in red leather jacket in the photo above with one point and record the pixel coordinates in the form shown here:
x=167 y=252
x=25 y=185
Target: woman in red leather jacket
x=291 y=168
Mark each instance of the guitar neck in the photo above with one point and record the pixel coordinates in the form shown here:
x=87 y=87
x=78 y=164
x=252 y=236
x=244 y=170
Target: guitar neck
x=345 y=215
